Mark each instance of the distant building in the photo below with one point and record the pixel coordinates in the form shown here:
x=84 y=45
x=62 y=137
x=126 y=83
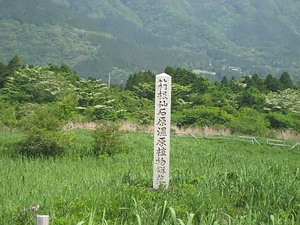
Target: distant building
x=232 y=68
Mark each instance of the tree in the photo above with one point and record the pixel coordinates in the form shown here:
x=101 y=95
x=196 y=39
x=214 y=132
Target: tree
x=224 y=81
x=201 y=85
x=181 y=95
x=286 y=81
x=288 y=99
x=65 y=68
x=14 y=64
x=248 y=81
x=259 y=83
x=235 y=85
x=251 y=97
x=3 y=74
x=140 y=77
x=169 y=70
x=182 y=76
x=273 y=84
x=37 y=84
x=142 y=84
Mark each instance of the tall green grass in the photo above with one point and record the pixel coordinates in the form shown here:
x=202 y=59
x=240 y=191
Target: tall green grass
x=211 y=182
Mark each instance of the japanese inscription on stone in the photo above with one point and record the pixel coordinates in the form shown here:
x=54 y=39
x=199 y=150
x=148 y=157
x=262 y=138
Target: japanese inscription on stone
x=162 y=122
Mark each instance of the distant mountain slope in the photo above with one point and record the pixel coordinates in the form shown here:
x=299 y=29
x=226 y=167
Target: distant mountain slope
x=121 y=36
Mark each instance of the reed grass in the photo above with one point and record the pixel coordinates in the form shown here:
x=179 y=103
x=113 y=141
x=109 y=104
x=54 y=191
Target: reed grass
x=211 y=182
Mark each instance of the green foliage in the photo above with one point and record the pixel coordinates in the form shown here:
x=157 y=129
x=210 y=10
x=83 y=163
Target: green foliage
x=181 y=75
x=251 y=97
x=142 y=84
x=9 y=115
x=286 y=81
x=255 y=81
x=202 y=116
x=195 y=100
x=224 y=82
x=14 y=64
x=273 y=84
x=3 y=74
x=249 y=121
x=144 y=90
x=181 y=96
x=90 y=92
x=36 y=84
x=108 y=139
x=286 y=100
x=280 y=121
x=42 y=132
x=59 y=85
x=67 y=107
x=296 y=123
x=96 y=101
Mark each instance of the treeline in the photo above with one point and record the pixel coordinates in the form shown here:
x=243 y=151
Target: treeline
x=249 y=105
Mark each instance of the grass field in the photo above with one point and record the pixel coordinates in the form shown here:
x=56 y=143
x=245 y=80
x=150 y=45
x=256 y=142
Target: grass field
x=212 y=182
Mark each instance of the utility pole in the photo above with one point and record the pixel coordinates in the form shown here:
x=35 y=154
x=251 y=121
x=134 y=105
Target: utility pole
x=108 y=85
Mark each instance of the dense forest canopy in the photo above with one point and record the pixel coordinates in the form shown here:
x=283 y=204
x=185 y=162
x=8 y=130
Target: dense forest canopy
x=98 y=38
x=247 y=105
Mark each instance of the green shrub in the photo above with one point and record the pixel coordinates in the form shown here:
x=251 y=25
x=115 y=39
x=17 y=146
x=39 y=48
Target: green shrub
x=279 y=121
x=9 y=114
x=202 y=116
x=296 y=123
x=288 y=121
x=42 y=143
x=42 y=132
x=249 y=121
x=108 y=139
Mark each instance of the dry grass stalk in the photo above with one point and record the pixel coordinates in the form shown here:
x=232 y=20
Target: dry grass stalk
x=205 y=131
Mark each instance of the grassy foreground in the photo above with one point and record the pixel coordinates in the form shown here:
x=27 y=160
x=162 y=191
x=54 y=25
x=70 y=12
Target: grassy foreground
x=212 y=182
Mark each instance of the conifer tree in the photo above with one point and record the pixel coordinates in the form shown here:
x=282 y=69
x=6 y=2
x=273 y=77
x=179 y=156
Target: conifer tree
x=273 y=84
x=286 y=81
x=224 y=81
x=3 y=74
x=15 y=64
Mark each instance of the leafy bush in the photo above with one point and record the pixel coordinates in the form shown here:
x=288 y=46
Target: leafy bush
x=43 y=134
x=296 y=123
x=9 y=114
x=202 y=116
x=279 y=121
x=107 y=139
x=100 y=112
x=249 y=121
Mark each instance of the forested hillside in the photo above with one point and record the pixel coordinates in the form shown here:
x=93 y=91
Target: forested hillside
x=97 y=38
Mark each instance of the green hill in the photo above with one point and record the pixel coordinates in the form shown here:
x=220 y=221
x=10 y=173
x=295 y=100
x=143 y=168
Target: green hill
x=121 y=37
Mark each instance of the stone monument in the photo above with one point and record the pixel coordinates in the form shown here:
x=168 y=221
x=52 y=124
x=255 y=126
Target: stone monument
x=161 y=164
